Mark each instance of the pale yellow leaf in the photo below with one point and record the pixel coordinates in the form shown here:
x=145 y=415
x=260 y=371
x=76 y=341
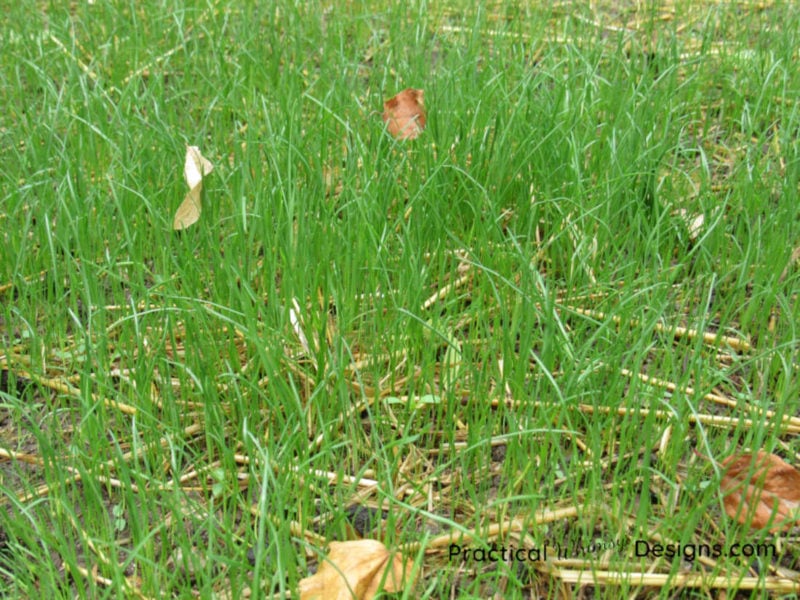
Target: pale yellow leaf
x=357 y=570
x=195 y=168
x=189 y=210
x=694 y=222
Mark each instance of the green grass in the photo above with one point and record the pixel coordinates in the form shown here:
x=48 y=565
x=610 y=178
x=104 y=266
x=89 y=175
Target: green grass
x=466 y=331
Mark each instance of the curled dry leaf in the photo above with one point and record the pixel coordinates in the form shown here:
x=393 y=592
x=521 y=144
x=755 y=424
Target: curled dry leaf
x=356 y=571
x=404 y=114
x=761 y=490
x=195 y=168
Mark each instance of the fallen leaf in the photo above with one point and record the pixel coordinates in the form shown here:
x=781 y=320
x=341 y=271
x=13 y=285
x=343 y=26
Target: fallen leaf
x=694 y=222
x=404 y=114
x=195 y=168
x=356 y=571
x=761 y=490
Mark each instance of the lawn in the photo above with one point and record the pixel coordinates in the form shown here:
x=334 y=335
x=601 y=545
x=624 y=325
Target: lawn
x=514 y=350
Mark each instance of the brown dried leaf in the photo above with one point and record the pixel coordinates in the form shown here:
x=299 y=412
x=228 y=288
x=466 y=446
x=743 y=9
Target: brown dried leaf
x=404 y=114
x=355 y=571
x=195 y=168
x=761 y=490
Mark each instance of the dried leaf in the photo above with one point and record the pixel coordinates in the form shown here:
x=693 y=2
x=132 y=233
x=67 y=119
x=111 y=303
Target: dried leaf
x=694 y=222
x=355 y=571
x=195 y=168
x=761 y=490
x=404 y=114
x=695 y=225
x=189 y=211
